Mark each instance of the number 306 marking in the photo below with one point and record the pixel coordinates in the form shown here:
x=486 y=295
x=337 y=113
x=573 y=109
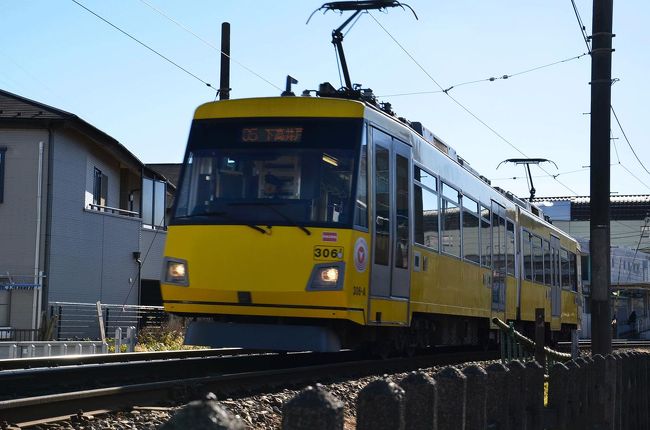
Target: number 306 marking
x=328 y=253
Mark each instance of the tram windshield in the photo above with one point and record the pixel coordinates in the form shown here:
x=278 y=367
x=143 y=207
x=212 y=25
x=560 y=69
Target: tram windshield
x=265 y=172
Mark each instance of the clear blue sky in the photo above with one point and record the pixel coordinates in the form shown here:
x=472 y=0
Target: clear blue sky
x=55 y=52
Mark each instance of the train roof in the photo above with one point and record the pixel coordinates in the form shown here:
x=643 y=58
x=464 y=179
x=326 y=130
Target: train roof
x=333 y=104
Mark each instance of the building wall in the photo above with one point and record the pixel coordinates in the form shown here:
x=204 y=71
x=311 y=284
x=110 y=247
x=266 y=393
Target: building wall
x=23 y=304
x=91 y=252
x=153 y=247
x=18 y=210
x=623 y=233
x=18 y=226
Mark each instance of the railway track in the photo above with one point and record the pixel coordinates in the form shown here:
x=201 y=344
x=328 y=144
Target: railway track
x=75 y=360
x=616 y=344
x=116 y=386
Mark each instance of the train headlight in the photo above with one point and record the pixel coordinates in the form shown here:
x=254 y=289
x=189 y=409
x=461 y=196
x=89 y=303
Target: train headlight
x=175 y=272
x=329 y=274
x=326 y=276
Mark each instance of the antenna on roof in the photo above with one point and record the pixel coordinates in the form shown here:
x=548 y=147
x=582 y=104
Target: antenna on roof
x=527 y=162
x=358 y=7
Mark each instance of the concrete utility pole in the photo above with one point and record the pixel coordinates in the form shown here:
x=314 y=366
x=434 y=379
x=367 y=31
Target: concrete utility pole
x=601 y=97
x=224 y=80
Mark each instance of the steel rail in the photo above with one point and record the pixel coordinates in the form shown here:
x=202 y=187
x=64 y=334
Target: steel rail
x=75 y=360
x=179 y=390
x=616 y=344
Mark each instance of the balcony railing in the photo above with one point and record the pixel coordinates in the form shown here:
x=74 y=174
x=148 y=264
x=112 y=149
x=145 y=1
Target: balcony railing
x=116 y=211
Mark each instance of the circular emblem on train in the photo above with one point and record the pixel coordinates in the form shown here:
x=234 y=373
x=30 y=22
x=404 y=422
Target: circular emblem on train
x=361 y=254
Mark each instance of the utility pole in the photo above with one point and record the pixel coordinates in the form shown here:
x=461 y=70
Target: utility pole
x=224 y=80
x=599 y=245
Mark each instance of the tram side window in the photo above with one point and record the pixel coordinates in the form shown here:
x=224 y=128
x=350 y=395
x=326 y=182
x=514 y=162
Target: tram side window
x=538 y=260
x=528 y=255
x=426 y=209
x=450 y=232
x=471 y=246
x=361 y=207
x=382 y=206
x=573 y=271
x=498 y=244
x=486 y=237
x=510 y=247
x=548 y=270
x=402 y=237
x=565 y=268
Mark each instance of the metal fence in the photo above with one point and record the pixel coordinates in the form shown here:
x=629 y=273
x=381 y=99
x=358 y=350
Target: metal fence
x=18 y=335
x=74 y=321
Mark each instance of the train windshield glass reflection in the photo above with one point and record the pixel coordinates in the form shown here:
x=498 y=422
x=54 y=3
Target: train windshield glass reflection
x=290 y=182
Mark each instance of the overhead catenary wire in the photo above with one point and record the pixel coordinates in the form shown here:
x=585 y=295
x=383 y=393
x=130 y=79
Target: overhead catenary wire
x=208 y=43
x=472 y=114
x=541 y=176
x=613 y=139
x=490 y=79
x=634 y=176
x=628 y=141
x=638 y=245
x=583 y=28
x=144 y=45
x=625 y=235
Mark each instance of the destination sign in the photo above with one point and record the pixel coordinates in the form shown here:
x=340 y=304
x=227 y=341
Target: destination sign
x=271 y=134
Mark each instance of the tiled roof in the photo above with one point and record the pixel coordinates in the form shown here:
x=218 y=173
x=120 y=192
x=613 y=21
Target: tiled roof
x=171 y=171
x=616 y=198
x=622 y=207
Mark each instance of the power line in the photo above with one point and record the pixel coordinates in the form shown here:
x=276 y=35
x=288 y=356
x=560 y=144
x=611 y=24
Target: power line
x=624 y=225
x=645 y=224
x=624 y=235
x=583 y=29
x=490 y=79
x=503 y=77
x=634 y=176
x=208 y=43
x=614 y=144
x=540 y=176
x=461 y=105
x=144 y=44
x=628 y=140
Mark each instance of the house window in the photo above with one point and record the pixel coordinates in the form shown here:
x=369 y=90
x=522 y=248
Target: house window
x=2 y=172
x=153 y=202
x=100 y=188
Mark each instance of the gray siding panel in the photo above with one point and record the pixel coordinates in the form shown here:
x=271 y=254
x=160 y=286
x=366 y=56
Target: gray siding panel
x=18 y=211
x=91 y=252
x=120 y=271
x=153 y=247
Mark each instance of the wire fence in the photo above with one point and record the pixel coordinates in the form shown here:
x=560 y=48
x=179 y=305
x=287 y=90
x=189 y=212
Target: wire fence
x=75 y=321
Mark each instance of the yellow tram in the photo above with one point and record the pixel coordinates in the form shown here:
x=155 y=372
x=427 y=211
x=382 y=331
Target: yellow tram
x=319 y=223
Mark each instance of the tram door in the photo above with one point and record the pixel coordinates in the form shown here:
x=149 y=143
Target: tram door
x=498 y=258
x=390 y=274
x=556 y=288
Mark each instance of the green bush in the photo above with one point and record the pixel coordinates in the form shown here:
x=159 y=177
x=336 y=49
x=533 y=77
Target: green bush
x=160 y=339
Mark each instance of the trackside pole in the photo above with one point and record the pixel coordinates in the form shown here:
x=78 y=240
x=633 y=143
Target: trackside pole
x=601 y=95
x=224 y=80
x=540 y=330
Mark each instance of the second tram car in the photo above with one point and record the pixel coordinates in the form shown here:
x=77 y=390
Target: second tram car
x=318 y=223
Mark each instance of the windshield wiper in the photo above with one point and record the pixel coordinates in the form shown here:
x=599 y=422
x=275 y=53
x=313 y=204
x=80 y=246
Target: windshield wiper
x=271 y=205
x=223 y=215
